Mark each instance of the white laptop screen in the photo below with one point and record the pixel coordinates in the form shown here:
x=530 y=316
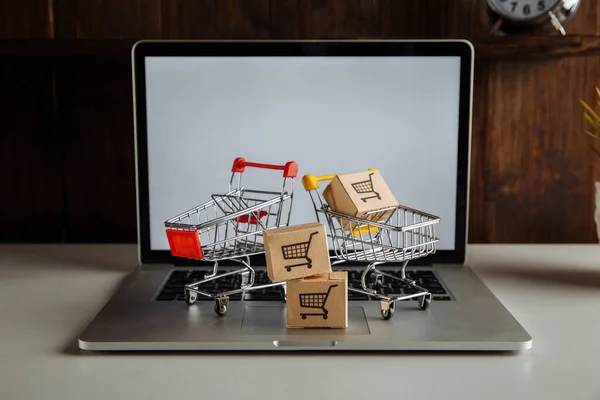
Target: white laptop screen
x=329 y=114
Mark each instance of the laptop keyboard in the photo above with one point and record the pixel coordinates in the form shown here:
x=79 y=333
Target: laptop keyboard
x=173 y=290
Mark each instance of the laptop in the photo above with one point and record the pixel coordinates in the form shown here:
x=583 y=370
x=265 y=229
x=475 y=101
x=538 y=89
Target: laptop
x=403 y=107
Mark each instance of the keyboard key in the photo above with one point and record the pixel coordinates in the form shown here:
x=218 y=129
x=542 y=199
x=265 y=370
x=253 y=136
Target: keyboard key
x=174 y=288
x=437 y=291
x=196 y=276
x=179 y=275
x=223 y=287
x=258 y=296
x=395 y=292
x=353 y=296
x=167 y=297
x=199 y=297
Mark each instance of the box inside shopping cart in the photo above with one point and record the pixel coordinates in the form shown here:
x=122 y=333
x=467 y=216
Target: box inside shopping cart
x=296 y=251
x=362 y=195
x=318 y=301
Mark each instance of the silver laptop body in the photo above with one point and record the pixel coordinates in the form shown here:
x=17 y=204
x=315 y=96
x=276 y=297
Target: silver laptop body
x=403 y=107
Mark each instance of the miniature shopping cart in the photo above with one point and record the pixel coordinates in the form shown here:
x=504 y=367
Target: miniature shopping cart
x=297 y=251
x=315 y=300
x=229 y=227
x=363 y=187
x=391 y=235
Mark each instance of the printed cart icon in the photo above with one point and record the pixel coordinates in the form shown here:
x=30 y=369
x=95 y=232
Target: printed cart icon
x=298 y=250
x=315 y=300
x=366 y=187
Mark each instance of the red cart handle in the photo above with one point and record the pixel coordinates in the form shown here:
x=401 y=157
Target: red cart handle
x=290 y=169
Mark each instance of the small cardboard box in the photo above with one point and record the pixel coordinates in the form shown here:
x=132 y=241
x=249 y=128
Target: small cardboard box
x=362 y=195
x=319 y=301
x=296 y=251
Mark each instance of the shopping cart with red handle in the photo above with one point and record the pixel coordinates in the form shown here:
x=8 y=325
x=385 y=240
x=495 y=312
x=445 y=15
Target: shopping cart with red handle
x=229 y=227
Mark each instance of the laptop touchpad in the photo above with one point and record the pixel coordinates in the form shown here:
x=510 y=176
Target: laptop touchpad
x=270 y=320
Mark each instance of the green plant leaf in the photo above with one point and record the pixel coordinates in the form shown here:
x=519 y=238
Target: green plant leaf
x=595 y=124
x=590 y=110
x=593 y=135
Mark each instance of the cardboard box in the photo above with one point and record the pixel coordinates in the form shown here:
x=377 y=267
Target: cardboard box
x=362 y=195
x=319 y=301
x=296 y=251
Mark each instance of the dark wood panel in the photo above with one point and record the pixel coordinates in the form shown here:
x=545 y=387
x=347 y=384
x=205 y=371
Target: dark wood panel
x=243 y=19
x=25 y=19
x=84 y=19
x=477 y=223
x=96 y=117
x=190 y=19
x=323 y=19
x=433 y=18
x=31 y=197
x=462 y=19
x=586 y=21
x=215 y=19
x=538 y=179
x=66 y=50
x=536 y=47
x=486 y=48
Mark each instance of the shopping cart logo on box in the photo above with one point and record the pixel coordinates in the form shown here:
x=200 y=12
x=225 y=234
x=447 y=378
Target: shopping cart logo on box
x=363 y=187
x=296 y=251
x=315 y=300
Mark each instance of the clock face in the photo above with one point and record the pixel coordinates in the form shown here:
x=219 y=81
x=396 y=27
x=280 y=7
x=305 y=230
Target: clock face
x=523 y=10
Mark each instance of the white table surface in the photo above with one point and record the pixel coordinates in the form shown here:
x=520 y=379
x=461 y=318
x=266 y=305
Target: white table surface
x=49 y=293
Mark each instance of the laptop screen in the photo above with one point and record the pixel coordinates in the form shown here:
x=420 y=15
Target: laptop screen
x=328 y=114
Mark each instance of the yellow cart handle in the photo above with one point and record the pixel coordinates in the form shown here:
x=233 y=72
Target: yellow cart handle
x=311 y=182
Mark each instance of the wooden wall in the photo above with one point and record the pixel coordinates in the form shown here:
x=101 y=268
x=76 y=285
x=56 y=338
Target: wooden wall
x=66 y=146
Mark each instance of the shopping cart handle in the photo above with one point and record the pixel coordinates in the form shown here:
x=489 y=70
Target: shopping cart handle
x=290 y=169
x=311 y=182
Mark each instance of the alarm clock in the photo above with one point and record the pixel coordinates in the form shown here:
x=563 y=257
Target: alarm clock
x=517 y=16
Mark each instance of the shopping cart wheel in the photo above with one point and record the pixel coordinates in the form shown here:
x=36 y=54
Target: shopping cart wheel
x=190 y=297
x=425 y=301
x=389 y=313
x=221 y=306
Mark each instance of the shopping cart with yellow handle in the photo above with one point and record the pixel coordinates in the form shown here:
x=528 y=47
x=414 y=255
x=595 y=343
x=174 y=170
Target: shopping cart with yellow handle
x=396 y=234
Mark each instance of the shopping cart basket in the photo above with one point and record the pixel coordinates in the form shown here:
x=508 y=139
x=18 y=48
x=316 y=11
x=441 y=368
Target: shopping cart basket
x=366 y=187
x=378 y=238
x=296 y=251
x=315 y=300
x=229 y=227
